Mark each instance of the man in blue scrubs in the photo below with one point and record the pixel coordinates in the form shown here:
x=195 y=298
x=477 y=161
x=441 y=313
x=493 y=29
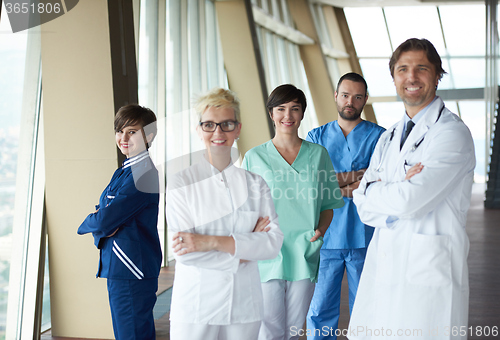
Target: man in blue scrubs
x=350 y=141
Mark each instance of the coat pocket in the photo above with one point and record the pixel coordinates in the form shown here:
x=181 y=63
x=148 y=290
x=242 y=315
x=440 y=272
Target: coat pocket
x=429 y=260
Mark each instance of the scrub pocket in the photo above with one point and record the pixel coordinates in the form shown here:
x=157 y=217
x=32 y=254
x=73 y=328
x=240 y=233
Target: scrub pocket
x=429 y=260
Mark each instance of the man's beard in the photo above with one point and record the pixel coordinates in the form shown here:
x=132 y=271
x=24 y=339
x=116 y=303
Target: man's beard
x=352 y=117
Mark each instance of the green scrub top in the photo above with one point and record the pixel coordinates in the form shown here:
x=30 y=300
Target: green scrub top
x=300 y=192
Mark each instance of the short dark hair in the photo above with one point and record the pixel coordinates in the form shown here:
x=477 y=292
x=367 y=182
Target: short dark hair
x=284 y=94
x=133 y=114
x=352 y=76
x=414 y=44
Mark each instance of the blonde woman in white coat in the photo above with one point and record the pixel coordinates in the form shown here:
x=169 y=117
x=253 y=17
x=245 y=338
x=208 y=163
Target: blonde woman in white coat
x=223 y=221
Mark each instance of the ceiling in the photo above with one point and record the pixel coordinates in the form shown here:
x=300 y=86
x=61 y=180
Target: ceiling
x=383 y=3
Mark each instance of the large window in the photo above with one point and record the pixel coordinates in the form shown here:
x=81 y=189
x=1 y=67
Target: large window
x=21 y=182
x=12 y=60
x=281 y=58
x=376 y=32
x=179 y=58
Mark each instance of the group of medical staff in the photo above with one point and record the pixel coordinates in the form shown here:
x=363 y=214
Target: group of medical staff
x=262 y=249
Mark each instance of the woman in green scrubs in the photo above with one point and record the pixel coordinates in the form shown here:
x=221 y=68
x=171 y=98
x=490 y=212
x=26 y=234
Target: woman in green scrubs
x=305 y=192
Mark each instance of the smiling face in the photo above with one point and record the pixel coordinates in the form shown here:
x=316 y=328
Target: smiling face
x=350 y=98
x=416 y=80
x=130 y=140
x=287 y=117
x=219 y=139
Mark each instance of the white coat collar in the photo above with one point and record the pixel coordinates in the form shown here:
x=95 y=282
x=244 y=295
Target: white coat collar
x=423 y=125
x=228 y=171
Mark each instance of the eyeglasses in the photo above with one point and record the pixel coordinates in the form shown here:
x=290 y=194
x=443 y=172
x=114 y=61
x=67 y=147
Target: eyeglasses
x=227 y=126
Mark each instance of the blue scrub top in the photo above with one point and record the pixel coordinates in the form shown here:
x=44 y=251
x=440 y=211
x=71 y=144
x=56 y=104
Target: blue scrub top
x=349 y=153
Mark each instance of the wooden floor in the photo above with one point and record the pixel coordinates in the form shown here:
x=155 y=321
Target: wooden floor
x=483 y=228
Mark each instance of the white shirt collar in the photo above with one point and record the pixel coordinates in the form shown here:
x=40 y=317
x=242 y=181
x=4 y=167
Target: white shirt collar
x=135 y=159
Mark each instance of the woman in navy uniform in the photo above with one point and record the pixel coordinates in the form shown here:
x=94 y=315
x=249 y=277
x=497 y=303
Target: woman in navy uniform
x=124 y=227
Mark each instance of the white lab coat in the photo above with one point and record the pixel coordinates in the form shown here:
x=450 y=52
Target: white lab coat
x=415 y=280
x=214 y=287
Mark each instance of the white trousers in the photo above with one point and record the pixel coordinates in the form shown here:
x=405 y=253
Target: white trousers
x=285 y=308
x=195 y=331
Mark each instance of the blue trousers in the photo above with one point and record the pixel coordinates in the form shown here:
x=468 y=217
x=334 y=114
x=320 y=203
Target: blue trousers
x=324 y=311
x=131 y=303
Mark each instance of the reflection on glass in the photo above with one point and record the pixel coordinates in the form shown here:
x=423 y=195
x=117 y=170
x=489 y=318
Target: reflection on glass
x=368 y=31
x=415 y=22
x=12 y=62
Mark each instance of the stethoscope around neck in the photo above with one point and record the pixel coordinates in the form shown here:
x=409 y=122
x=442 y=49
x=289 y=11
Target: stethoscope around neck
x=388 y=141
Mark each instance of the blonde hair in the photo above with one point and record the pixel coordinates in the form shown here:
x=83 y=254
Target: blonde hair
x=218 y=97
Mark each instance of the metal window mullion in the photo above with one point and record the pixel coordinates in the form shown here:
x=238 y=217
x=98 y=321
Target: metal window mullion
x=161 y=137
x=35 y=264
x=184 y=81
x=387 y=28
x=203 y=39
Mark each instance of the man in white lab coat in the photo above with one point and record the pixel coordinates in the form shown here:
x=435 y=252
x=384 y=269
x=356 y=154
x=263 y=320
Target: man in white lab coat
x=416 y=193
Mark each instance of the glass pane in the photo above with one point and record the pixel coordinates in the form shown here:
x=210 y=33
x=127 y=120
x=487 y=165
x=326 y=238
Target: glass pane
x=46 y=294
x=194 y=48
x=321 y=28
x=378 y=77
x=408 y=22
x=284 y=67
x=174 y=61
x=368 y=31
x=148 y=47
x=473 y=114
x=283 y=64
x=194 y=64
x=468 y=39
x=333 y=68
x=270 y=47
x=452 y=106
x=215 y=72
x=12 y=65
x=388 y=114
x=468 y=73
x=447 y=81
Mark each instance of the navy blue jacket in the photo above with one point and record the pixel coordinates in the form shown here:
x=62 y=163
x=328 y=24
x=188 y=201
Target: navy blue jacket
x=130 y=204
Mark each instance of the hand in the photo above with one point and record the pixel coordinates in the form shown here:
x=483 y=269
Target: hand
x=318 y=234
x=360 y=174
x=417 y=168
x=348 y=189
x=185 y=243
x=262 y=225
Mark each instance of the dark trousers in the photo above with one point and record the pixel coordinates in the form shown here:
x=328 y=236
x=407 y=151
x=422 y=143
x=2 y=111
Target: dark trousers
x=131 y=303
